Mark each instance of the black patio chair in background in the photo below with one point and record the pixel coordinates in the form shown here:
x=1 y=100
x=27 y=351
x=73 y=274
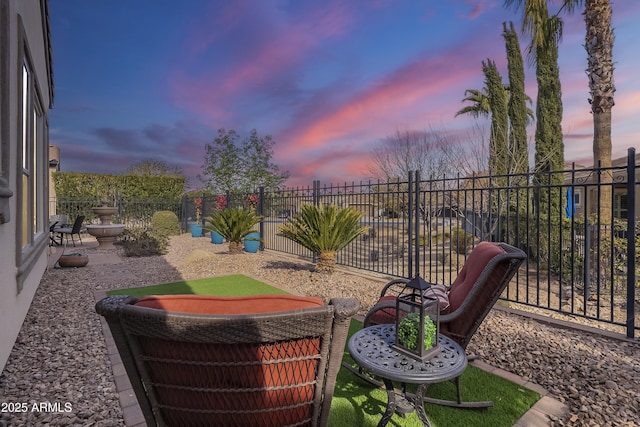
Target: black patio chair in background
x=77 y=228
x=52 y=234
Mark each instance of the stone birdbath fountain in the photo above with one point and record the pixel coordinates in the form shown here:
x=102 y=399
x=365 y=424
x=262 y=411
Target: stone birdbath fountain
x=105 y=232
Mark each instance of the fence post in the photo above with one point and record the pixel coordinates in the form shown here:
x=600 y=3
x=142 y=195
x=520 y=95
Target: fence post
x=631 y=241
x=587 y=256
x=119 y=204
x=183 y=214
x=204 y=208
x=261 y=213
x=416 y=202
x=316 y=193
x=410 y=223
x=316 y=202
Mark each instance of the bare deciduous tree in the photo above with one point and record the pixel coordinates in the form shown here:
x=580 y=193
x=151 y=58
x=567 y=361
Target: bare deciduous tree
x=432 y=153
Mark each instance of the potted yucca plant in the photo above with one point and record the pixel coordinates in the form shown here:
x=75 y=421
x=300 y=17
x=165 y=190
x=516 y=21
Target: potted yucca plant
x=324 y=231
x=234 y=225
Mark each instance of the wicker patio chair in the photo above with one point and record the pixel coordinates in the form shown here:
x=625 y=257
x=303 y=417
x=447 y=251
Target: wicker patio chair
x=465 y=304
x=261 y=361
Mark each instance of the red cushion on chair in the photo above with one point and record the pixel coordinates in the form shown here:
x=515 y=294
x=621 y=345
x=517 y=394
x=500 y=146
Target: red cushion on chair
x=384 y=316
x=439 y=292
x=473 y=266
x=202 y=304
x=388 y=315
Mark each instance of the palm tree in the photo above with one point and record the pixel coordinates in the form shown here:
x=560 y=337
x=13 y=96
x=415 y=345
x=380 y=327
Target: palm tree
x=324 y=231
x=545 y=32
x=599 y=46
x=480 y=105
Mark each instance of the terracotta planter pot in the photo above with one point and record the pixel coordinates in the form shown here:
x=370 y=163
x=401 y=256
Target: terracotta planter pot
x=73 y=260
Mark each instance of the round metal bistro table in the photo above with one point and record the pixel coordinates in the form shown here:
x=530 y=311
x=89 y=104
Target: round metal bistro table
x=372 y=350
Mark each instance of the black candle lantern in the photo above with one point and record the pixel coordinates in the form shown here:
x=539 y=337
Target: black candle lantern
x=417 y=321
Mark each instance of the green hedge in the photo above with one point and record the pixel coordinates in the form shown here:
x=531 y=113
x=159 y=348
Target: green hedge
x=98 y=186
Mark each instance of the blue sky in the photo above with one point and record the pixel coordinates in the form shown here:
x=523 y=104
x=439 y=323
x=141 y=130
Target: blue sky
x=328 y=79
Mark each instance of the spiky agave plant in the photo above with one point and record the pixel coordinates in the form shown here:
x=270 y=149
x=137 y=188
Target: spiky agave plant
x=233 y=225
x=324 y=231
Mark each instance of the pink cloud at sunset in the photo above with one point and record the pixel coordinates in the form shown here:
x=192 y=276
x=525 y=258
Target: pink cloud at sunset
x=415 y=88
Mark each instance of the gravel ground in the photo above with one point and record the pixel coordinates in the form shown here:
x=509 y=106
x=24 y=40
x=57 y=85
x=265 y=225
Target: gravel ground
x=60 y=356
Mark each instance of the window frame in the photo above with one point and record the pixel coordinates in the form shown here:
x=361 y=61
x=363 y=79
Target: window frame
x=30 y=234
x=620 y=212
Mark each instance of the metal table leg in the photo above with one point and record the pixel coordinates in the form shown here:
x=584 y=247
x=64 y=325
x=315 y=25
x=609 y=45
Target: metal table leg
x=401 y=405
x=391 y=403
x=418 y=402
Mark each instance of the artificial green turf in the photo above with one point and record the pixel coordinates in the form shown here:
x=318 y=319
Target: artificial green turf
x=358 y=403
x=233 y=285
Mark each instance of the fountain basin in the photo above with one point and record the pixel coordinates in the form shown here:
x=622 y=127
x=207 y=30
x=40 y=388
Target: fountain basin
x=105 y=213
x=105 y=234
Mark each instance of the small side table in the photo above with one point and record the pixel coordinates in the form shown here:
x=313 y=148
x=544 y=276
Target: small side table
x=372 y=349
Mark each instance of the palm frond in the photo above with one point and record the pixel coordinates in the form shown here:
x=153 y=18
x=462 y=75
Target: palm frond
x=321 y=229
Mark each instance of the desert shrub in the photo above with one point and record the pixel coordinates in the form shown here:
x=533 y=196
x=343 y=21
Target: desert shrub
x=461 y=241
x=439 y=237
x=140 y=242
x=166 y=222
x=423 y=240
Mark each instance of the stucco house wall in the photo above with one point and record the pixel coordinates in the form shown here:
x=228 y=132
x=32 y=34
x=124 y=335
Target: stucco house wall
x=25 y=50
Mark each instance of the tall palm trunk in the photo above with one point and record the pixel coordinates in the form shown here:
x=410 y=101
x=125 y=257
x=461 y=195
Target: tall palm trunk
x=599 y=46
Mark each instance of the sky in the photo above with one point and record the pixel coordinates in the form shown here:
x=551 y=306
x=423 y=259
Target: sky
x=327 y=79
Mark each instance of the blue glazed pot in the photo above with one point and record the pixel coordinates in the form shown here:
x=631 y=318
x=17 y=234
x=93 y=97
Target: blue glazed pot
x=196 y=230
x=216 y=238
x=252 y=246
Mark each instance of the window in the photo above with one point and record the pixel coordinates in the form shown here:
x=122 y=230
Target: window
x=33 y=145
x=31 y=167
x=620 y=205
x=576 y=198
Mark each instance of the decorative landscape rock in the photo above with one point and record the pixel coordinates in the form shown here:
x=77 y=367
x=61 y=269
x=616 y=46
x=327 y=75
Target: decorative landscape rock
x=60 y=354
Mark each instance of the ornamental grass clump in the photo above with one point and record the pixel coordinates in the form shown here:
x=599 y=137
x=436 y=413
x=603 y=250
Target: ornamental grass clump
x=234 y=225
x=324 y=231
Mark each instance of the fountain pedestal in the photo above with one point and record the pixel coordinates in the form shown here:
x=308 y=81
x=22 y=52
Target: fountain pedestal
x=105 y=232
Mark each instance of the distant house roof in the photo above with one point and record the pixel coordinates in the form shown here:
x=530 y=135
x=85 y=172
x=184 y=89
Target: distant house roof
x=622 y=161
x=582 y=174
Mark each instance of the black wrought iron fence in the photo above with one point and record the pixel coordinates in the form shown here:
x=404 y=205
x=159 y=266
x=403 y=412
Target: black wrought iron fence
x=578 y=229
x=131 y=212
